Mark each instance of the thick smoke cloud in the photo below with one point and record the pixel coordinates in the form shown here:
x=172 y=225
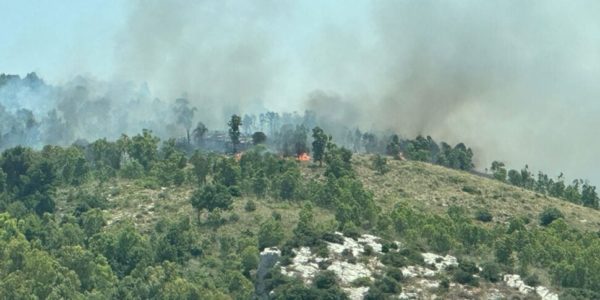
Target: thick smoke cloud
x=515 y=80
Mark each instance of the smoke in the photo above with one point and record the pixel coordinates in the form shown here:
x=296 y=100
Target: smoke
x=515 y=80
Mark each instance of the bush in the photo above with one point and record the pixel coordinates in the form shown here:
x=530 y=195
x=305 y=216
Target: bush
x=361 y=281
x=532 y=280
x=250 y=206
x=490 y=272
x=483 y=215
x=270 y=234
x=333 y=238
x=276 y=216
x=468 y=266
x=351 y=231
x=393 y=259
x=387 y=285
x=471 y=190
x=325 y=280
x=234 y=217
x=235 y=191
x=463 y=277
x=395 y=273
x=549 y=215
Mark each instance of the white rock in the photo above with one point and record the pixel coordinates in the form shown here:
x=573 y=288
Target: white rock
x=515 y=281
x=440 y=262
x=370 y=240
x=407 y=296
x=417 y=271
x=348 y=272
x=356 y=293
x=429 y=284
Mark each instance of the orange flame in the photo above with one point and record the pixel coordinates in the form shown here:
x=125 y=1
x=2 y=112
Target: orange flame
x=238 y=156
x=303 y=157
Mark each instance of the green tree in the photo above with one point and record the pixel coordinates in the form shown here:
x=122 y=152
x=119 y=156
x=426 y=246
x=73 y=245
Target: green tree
x=320 y=140
x=209 y=197
x=227 y=172
x=380 y=164
x=498 y=170
x=270 y=234
x=144 y=148
x=549 y=215
x=589 y=197
x=288 y=185
x=199 y=133
x=259 y=137
x=92 y=221
x=393 y=147
x=184 y=115
x=234 y=131
x=306 y=231
x=201 y=164
x=250 y=259
x=260 y=184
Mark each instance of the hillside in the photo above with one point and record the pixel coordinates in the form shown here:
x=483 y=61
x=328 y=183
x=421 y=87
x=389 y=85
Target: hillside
x=424 y=188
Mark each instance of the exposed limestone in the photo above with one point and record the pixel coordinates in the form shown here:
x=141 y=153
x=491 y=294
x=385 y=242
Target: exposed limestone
x=440 y=262
x=515 y=281
x=347 y=261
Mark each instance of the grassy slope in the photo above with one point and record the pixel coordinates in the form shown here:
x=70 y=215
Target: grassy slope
x=422 y=185
x=434 y=188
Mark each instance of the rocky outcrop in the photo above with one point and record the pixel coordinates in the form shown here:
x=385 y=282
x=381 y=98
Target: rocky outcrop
x=515 y=281
x=351 y=259
x=268 y=259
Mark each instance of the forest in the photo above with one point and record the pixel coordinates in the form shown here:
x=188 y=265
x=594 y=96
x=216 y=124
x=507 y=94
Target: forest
x=54 y=249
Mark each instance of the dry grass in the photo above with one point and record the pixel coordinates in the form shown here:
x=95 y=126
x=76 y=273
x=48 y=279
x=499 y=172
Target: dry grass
x=424 y=186
x=433 y=188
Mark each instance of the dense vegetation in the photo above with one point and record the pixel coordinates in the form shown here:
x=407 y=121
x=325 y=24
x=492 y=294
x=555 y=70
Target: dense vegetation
x=71 y=251
x=578 y=192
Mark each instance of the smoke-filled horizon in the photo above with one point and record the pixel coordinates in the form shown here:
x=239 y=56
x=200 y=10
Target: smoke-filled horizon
x=515 y=80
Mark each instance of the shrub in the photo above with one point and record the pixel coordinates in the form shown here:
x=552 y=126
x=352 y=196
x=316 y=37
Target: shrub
x=351 y=231
x=325 y=280
x=483 y=215
x=395 y=273
x=463 y=277
x=549 y=215
x=235 y=191
x=490 y=272
x=276 y=216
x=333 y=238
x=270 y=234
x=393 y=259
x=361 y=281
x=532 y=280
x=468 y=266
x=471 y=190
x=250 y=206
x=234 y=217
x=387 y=285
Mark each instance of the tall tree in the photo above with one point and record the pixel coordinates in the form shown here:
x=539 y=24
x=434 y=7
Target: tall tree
x=211 y=197
x=498 y=170
x=184 y=115
x=234 y=131
x=199 y=133
x=320 y=140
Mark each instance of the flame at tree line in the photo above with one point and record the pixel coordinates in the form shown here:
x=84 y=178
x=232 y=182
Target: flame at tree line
x=303 y=157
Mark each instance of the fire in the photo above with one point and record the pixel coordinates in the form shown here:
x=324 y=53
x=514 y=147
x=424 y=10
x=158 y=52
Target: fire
x=303 y=157
x=238 y=156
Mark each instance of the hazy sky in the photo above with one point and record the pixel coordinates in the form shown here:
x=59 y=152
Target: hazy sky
x=519 y=81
